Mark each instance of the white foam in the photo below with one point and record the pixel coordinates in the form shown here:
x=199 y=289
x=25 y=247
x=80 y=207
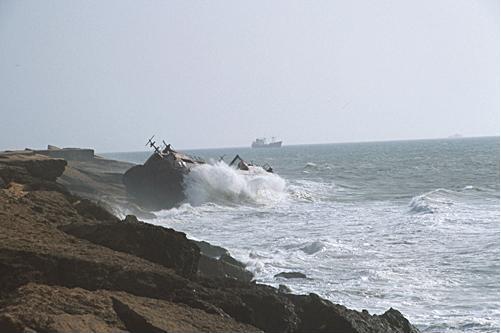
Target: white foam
x=222 y=184
x=431 y=202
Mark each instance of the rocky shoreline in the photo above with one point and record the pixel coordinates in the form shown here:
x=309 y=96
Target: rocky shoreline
x=69 y=265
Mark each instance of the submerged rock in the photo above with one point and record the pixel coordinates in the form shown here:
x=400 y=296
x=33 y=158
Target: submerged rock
x=291 y=275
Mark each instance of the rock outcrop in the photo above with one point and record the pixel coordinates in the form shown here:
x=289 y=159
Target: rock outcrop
x=163 y=246
x=216 y=262
x=67 y=264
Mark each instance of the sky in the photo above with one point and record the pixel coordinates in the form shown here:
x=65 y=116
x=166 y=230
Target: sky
x=200 y=74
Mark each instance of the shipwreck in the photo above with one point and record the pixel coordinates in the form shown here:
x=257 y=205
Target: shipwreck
x=158 y=183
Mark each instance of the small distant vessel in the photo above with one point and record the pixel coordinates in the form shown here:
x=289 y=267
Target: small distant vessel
x=263 y=143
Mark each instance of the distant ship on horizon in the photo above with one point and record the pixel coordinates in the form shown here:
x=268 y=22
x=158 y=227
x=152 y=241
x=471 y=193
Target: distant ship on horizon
x=263 y=143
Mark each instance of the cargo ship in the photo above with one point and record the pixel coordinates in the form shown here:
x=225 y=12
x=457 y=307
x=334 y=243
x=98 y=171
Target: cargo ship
x=263 y=143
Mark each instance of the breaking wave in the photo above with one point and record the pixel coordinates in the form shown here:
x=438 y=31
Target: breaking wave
x=219 y=183
x=440 y=199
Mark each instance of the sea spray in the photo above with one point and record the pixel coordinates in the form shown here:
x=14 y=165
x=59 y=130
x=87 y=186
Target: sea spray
x=219 y=183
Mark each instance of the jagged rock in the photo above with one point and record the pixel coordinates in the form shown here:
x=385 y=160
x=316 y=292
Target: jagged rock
x=282 y=288
x=210 y=250
x=397 y=320
x=219 y=268
x=157 y=244
x=319 y=315
x=216 y=262
x=291 y=275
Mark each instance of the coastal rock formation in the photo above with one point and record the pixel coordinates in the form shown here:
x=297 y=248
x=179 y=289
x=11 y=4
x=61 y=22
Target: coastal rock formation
x=34 y=165
x=164 y=246
x=43 y=308
x=67 y=264
x=216 y=262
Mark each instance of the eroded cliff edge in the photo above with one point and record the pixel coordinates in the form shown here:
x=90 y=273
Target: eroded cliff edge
x=68 y=265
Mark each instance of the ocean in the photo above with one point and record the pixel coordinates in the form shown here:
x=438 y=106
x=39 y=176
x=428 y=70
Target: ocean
x=412 y=225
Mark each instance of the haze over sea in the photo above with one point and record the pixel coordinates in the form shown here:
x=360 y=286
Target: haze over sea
x=412 y=225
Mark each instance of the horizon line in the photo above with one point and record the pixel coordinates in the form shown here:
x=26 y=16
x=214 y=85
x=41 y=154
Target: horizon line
x=320 y=143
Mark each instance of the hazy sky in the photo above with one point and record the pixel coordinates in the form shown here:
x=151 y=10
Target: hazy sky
x=109 y=74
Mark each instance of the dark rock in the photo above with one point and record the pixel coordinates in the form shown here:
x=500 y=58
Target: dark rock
x=216 y=262
x=319 y=315
x=130 y=219
x=3 y=184
x=157 y=244
x=226 y=258
x=94 y=211
x=291 y=275
x=282 y=288
x=20 y=267
x=397 y=320
x=218 y=268
x=270 y=311
x=210 y=250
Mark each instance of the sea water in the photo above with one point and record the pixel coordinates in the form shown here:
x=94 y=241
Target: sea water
x=412 y=225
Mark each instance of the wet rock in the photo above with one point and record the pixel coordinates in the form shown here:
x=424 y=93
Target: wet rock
x=282 y=288
x=216 y=262
x=291 y=275
x=397 y=320
x=223 y=268
x=319 y=315
x=210 y=250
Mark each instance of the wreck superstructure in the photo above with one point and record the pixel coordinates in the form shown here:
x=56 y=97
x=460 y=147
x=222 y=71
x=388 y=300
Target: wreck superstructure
x=158 y=183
